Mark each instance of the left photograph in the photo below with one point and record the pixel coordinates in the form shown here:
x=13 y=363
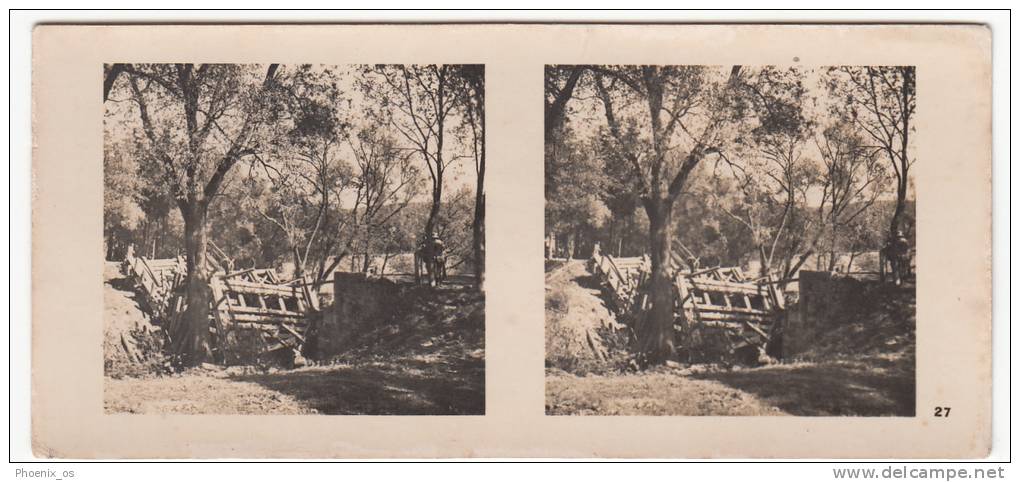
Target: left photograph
x=294 y=239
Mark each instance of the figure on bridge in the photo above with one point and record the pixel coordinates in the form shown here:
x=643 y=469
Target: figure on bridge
x=430 y=260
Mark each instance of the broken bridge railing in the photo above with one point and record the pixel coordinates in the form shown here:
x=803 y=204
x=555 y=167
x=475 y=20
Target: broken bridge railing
x=156 y=279
x=252 y=311
x=719 y=303
x=275 y=312
x=621 y=277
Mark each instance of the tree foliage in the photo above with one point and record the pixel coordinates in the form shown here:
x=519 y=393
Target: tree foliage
x=881 y=102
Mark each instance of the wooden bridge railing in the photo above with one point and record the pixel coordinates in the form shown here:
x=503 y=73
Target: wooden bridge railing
x=246 y=300
x=718 y=298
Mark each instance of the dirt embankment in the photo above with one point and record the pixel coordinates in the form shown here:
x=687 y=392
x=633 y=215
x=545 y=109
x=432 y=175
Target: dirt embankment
x=404 y=319
x=881 y=323
x=581 y=334
x=132 y=345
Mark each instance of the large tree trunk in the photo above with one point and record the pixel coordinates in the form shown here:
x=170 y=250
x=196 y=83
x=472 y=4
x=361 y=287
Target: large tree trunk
x=192 y=339
x=655 y=332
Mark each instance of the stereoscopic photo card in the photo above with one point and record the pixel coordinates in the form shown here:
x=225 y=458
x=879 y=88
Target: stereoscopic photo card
x=449 y=241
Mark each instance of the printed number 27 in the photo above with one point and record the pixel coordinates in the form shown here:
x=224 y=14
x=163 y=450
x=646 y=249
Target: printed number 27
x=942 y=411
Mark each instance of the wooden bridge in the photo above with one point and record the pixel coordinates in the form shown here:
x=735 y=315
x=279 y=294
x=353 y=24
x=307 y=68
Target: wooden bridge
x=719 y=303
x=155 y=280
x=246 y=305
x=621 y=277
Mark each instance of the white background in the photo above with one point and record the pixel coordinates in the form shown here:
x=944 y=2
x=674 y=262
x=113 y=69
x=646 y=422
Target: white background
x=19 y=239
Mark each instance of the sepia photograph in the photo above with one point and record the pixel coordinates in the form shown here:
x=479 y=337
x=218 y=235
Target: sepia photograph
x=294 y=239
x=730 y=240
x=305 y=245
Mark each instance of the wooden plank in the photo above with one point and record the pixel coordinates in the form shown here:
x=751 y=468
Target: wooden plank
x=276 y=346
x=264 y=327
x=724 y=287
x=277 y=315
x=724 y=309
x=269 y=319
x=702 y=272
x=749 y=287
x=252 y=287
x=747 y=341
x=736 y=326
x=239 y=273
x=221 y=317
x=268 y=311
x=757 y=330
x=736 y=317
x=292 y=331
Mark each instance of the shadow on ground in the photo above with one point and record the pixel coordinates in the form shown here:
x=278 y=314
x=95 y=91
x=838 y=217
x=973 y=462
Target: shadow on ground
x=425 y=359
x=404 y=387
x=877 y=387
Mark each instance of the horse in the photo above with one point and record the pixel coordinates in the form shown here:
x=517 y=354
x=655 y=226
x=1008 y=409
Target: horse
x=897 y=253
x=429 y=260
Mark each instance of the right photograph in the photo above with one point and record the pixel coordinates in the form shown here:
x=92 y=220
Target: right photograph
x=730 y=240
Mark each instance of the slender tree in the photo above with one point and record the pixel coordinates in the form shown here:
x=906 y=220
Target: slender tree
x=853 y=178
x=473 y=98
x=386 y=180
x=305 y=190
x=881 y=102
x=772 y=173
x=420 y=100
